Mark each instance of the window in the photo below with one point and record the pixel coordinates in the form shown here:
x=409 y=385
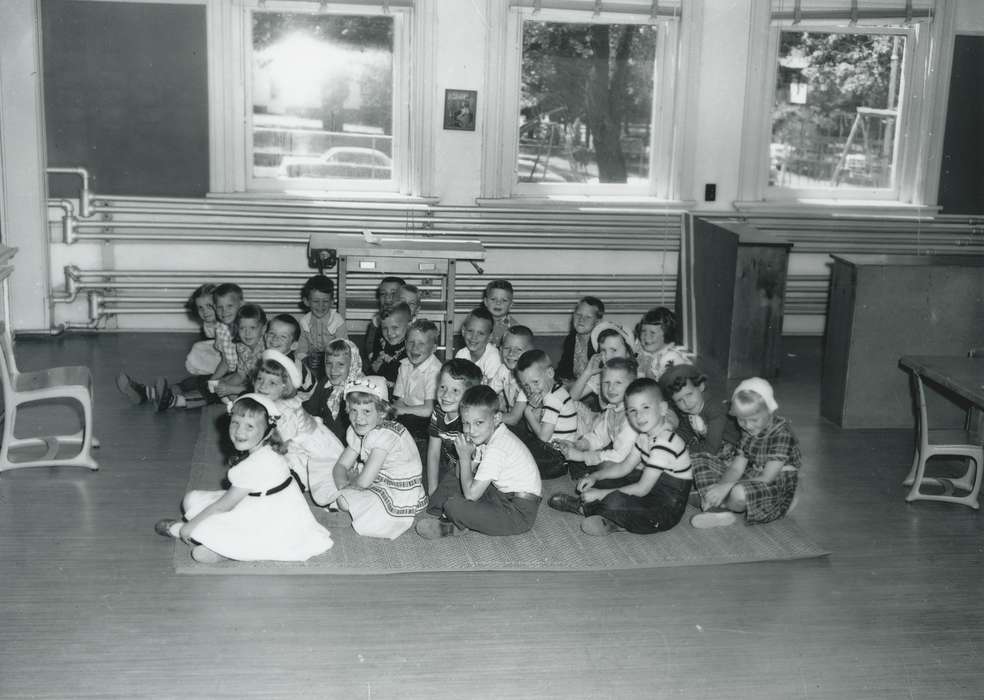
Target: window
x=842 y=109
x=322 y=84
x=836 y=113
x=587 y=99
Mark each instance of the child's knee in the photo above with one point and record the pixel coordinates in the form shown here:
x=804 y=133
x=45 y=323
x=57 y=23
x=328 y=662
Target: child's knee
x=737 y=500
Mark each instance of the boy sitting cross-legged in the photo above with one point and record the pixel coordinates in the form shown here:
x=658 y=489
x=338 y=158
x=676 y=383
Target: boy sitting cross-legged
x=551 y=414
x=647 y=491
x=416 y=382
x=497 y=491
x=611 y=437
x=760 y=480
x=456 y=377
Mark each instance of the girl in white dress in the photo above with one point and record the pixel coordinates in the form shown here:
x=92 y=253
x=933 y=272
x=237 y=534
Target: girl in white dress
x=263 y=514
x=378 y=477
x=312 y=449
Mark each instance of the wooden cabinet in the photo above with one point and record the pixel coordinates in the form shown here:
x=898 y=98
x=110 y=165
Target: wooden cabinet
x=885 y=306
x=736 y=280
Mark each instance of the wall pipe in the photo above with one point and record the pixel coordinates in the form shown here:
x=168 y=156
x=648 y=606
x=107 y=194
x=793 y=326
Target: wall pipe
x=85 y=196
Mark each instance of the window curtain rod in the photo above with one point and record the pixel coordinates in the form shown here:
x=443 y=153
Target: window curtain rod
x=854 y=12
x=385 y=5
x=656 y=8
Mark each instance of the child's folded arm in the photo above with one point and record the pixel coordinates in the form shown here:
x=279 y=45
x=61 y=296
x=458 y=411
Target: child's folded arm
x=770 y=471
x=424 y=410
x=515 y=414
x=645 y=484
x=621 y=447
x=580 y=388
x=371 y=469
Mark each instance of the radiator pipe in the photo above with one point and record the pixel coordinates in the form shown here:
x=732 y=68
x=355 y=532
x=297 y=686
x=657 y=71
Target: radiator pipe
x=85 y=196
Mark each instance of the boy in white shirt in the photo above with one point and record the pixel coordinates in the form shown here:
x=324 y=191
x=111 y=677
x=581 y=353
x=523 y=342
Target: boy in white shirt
x=476 y=331
x=416 y=381
x=498 y=490
x=512 y=400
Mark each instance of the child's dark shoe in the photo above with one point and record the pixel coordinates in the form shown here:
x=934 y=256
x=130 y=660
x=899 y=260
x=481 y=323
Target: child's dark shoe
x=434 y=529
x=598 y=526
x=565 y=502
x=713 y=518
x=165 y=528
x=135 y=392
x=165 y=397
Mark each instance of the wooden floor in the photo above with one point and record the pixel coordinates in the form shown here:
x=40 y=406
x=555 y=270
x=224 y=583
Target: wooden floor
x=90 y=606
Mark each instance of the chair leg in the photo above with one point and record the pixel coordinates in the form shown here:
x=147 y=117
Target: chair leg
x=911 y=476
x=917 y=479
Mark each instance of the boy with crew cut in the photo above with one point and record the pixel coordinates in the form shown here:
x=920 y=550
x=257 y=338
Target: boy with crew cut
x=456 y=377
x=416 y=381
x=611 y=438
x=498 y=299
x=551 y=414
x=498 y=489
x=476 y=331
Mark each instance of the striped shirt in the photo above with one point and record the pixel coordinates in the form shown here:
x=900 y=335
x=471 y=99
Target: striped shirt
x=666 y=452
x=560 y=410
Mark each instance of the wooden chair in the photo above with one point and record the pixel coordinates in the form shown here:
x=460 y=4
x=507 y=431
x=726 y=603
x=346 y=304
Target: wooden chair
x=953 y=443
x=48 y=385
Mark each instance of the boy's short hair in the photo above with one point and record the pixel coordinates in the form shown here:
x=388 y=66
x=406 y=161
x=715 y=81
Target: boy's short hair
x=504 y=285
x=662 y=317
x=642 y=385
x=625 y=364
x=401 y=308
x=480 y=396
x=389 y=280
x=482 y=313
x=203 y=290
x=463 y=370
x=520 y=331
x=253 y=311
x=318 y=283
x=338 y=347
x=677 y=377
x=227 y=288
x=594 y=302
x=532 y=357
x=289 y=320
x=424 y=325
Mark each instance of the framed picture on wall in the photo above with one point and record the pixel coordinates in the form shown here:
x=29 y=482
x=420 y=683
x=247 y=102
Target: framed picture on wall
x=459 y=109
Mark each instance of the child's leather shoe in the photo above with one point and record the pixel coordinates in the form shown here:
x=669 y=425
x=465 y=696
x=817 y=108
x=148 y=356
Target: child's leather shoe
x=565 y=502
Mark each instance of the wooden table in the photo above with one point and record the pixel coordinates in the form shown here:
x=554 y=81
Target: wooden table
x=964 y=376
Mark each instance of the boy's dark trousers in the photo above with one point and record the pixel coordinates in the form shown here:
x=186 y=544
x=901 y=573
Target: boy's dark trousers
x=549 y=460
x=494 y=513
x=657 y=511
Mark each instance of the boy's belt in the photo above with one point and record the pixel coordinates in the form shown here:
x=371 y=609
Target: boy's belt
x=525 y=495
x=276 y=489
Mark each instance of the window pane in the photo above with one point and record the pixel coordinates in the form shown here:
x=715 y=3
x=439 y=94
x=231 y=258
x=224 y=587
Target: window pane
x=322 y=96
x=836 y=108
x=587 y=102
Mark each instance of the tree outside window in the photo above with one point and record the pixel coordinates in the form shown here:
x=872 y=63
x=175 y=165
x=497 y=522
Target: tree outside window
x=586 y=105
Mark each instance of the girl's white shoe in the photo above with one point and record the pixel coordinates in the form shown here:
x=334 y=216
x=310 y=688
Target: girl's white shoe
x=713 y=518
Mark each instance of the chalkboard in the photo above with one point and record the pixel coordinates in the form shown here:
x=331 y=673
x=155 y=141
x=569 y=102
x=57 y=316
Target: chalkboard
x=962 y=171
x=126 y=96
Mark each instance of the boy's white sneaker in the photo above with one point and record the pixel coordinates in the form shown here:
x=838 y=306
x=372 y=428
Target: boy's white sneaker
x=713 y=518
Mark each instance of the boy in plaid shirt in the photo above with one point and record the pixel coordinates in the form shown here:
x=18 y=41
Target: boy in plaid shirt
x=760 y=480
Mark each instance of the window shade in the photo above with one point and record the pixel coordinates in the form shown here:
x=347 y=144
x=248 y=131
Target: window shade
x=865 y=11
x=653 y=8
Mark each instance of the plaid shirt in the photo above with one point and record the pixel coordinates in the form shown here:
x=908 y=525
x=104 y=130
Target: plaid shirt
x=226 y=347
x=776 y=443
x=500 y=327
x=247 y=356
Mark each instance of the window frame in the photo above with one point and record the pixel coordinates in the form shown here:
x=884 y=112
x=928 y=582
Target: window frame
x=231 y=107
x=501 y=152
x=914 y=140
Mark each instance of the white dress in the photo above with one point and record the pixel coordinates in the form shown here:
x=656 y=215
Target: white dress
x=266 y=526
x=312 y=448
x=387 y=508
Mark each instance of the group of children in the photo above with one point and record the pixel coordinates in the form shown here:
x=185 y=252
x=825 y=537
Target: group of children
x=400 y=440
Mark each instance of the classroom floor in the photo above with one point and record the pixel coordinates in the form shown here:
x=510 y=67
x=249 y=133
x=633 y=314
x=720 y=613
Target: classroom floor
x=90 y=605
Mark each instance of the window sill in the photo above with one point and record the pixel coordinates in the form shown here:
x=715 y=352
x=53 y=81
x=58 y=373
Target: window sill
x=834 y=208
x=600 y=203
x=326 y=197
